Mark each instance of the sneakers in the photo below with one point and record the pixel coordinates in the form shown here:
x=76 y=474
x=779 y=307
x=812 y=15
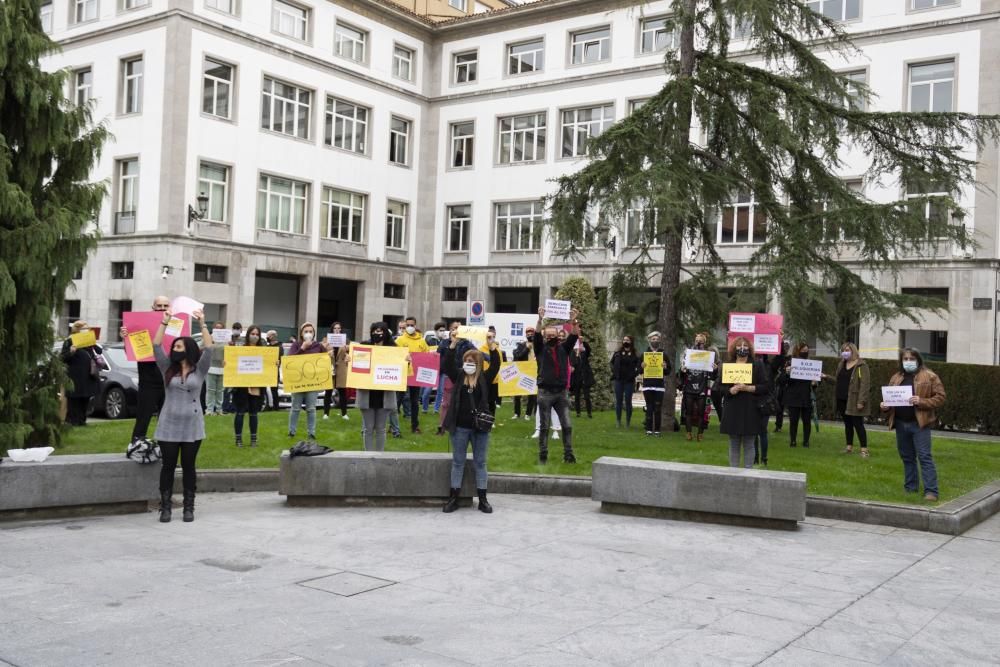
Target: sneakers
x=397 y=434
x=656 y=434
x=931 y=497
x=345 y=418
x=535 y=434
x=649 y=433
x=253 y=441
x=326 y=416
x=555 y=435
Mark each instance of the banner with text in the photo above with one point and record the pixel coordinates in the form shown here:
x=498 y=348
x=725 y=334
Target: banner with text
x=518 y=378
x=250 y=366
x=377 y=367
x=764 y=329
x=306 y=372
x=150 y=322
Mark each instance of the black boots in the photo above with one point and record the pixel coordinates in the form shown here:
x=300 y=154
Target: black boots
x=452 y=503
x=484 y=505
x=188 y=505
x=165 y=506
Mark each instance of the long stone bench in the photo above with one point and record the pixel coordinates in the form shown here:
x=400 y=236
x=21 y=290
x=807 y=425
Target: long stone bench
x=76 y=485
x=370 y=478
x=712 y=494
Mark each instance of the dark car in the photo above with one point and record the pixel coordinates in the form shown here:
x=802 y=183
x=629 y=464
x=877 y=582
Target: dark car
x=119 y=385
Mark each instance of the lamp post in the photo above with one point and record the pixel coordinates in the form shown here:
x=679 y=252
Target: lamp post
x=198 y=214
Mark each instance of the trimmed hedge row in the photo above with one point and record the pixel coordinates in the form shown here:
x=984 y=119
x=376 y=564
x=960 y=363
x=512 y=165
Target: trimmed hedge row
x=973 y=402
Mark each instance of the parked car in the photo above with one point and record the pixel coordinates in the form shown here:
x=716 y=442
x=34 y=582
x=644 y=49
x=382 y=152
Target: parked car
x=119 y=385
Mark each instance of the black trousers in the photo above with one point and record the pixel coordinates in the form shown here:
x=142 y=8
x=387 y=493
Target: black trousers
x=413 y=397
x=794 y=414
x=188 y=453
x=654 y=403
x=717 y=403
x=853 y=424
x=148 y=402
x=586 y=397
x=76 y=410
x=529 y=407
x=693 y=409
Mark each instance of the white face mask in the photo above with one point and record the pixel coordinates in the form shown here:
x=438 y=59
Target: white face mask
x=469 y=368
x=910 y=366
x=846 y=355
x=84 y=330
x=253 y=338
x=411 y=330
x=307 y=336
x=442 y=333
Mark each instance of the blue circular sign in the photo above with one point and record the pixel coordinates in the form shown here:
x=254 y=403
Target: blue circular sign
x=477 y=308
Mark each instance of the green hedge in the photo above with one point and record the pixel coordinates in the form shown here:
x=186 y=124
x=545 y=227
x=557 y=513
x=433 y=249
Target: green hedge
x=973 y=402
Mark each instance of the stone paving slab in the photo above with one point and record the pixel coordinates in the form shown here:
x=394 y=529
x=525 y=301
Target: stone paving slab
x=542 y=581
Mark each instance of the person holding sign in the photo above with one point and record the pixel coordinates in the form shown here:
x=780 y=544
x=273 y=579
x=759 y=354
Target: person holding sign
x=375 y=405
x=306 y=344
x=181 y=425
x=625 y=368
x=583 y=376
x=83 y=365
x=853 y=387
x=413 y=340
x=744 y=380
x=525 y=351
x=913 y=422
x=248 y=400
x=214 y=388
x=694 y=384
x=149 y=398
x=553 y=381
x=798 y=399
x=338 y=355
x=652 y=383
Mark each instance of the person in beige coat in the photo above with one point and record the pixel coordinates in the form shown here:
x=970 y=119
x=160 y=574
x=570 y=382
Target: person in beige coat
x=853 y=387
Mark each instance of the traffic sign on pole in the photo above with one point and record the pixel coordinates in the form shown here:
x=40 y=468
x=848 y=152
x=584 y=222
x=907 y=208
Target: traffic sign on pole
x=477 y=313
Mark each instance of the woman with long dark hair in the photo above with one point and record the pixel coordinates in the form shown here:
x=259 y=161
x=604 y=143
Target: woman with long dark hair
x=375 y=405
x=626 y=364
x=798 y=399
x=248 y=400
x=741 y=419
x=694 y=386
x=583 y=376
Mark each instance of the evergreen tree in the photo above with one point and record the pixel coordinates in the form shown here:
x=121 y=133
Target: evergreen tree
x=580 y=292
x=777 y=131
x=48 y=149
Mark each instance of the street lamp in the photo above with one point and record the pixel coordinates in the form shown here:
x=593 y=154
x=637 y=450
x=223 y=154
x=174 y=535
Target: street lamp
x=200 y=213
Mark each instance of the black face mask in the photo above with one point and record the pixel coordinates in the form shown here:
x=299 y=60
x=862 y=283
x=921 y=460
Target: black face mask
x=177 y=357
x=743 y=352
x=699 y=346
x=552 y=341
x=627 y=345
x=377 y=337
x=803 y=355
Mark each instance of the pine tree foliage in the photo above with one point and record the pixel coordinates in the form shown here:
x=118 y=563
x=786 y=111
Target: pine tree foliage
x=48 y=149
x=580 y=292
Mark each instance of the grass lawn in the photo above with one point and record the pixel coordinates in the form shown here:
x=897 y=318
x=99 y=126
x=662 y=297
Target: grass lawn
x=962 y=465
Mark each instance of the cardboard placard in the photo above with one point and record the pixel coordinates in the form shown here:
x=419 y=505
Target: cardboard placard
x=737 y=373
x=185 y=304
x=306 y=372
x=141 y=343
x=897 y=397
x=222 y=336
x=150 y=323
x=557 y=310
x=511 y=375
x=424 y=367
x=764 y=329
x=379 y=367
x=336 y=340
x=250 y=366
x=475 y=334
x=806 y=369
x=652 y=365
x=699 y=360
x=84 y=339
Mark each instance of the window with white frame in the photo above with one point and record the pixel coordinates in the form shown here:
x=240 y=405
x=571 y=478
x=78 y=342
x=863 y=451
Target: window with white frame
x=133 y=4
x=656 y=34
x=217 y=88
x=84 y=10
x=289 y=19
x=519 y=225
x=458 y=4
x=402 y=62
x=590 y=46
x=832 y=231
x=740 y=30
x=522 y=138
x=399 y=141
x=83 y=86
x=526 y=57
x=350 y=42
x=282 y=204
x=395 y=225
x=838 y=10
x=741 y=221
x=855 y=82
x=463 y=143
x=932 y=86
x=932 y=211
x=931 y=4
x=466 y=66
x=45 y=12
x=225 y=6
x=635 y=105
x=346 y=125
x=579 y=125
x=213 y=182
x=459 y=225
x=343 y=215
x=128 y=185
x=131 y=72
x=285 y=108
x=641 y=226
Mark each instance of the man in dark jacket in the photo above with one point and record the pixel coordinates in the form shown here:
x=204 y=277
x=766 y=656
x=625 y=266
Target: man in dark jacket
x=553 y=380
x=149 y=397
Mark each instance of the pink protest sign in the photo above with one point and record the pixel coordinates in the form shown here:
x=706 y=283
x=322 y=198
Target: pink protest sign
x=150 y=321
x=425 y=369
x=763 y=328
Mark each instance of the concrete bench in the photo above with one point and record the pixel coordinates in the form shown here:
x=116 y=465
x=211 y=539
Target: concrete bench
x=370 y=478
x=711 y=494
x=77 y=485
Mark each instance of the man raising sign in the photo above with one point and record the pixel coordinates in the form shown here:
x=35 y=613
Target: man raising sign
x=553 y=380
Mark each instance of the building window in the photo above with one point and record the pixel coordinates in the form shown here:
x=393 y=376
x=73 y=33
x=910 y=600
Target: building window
x=117 y=310
x=591 y=46
x=519 y=225
x=46 y=14
x=931 y=210
x=224 y=6
x=128 y=196
x=458 y=4
x=84 y=10
x=133 y=4
x=838 y=10
x=932 y=86
x=740 y=30
x=346 y=126
x=931 y=4
x=402 y=62
x=579 y=125
x=855 y=81
x=217 y=88
x=831 y=230
x=132 y=85
x=83 y=86
x=455 y=294
x=463 y=143
x=522 y=138
x=399 y=141
x=641 y=228
x=656 y=34
x=742 y=222
x=213 y=181
x=466 y=66
x=122 y=270
x=290 y=20
x=392 y=291
x=285 y=108
x=526 y=57
x=344 y=215
x=349 y=42
x=939 y=293
x=459 y=222
x=395 y=225
x=70 y=313
x=210 y=273
x=282 y=204
x=933 y=345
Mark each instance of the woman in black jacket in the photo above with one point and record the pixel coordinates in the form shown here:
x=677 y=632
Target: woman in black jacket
x=470 y=395
x=741 y=419
x=694 y=386
x=625 y=367
x=83 y=366
x=583 y=377
x=798 y=399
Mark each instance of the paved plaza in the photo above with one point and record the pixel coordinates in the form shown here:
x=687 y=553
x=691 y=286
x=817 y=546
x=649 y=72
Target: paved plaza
x=542 y=581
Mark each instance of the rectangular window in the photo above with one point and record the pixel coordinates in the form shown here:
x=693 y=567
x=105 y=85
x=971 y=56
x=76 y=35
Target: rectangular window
x=399 y=141
x=133 y=4
x=210 y=273
x=83 y=86
x=46 y=15
x=932 y=86
x=282 y=204
x=70 y=313
x=855 y=82
x=641 y=228
x=459 y=222
x=349 y=42
x=117 y=310
x=463 y=143
x=343 y=215
x=402 y=62
x=939 y=293
x=458 y=4
x=84 y=10
x=122 y=270
x=522 y=138
x=740 y=30
x=838 y=10
x=466 y=66
x=741 y=222
x=579 y=125
x=526 y=57
x=831 y=230
x=225 y=6
x=128 y=196
x=635 y=105
x=285 y=108
x=657 y=34
x=590 y=46
x=131 y=85
x=346 y=126
x=395 y=225
x=217 y=88
x=932 y=211
x=931 y=4
x=213 y=182
x=392 y=291
x=291 y=20
x=519 y=225
x=455 y=294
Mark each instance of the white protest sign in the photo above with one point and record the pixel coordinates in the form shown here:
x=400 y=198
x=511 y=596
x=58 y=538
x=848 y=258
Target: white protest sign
x=427 y=375
x=527 y=383
x=897 y=397
x=742 y=324
x=185 y=304
x=508 y=373
x=511 y=328
x=699 y=360
x=556 y=309
x=388 y=375
x=222 y=335
x=806 y=369
x=336 y=340
x=174 y=327
x=250 y=365
x=767 y=343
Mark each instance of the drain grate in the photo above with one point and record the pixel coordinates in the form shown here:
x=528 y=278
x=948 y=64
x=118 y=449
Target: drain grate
x=347 y=584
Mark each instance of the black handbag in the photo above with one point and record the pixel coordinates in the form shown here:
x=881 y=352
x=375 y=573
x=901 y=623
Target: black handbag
x=483 y=420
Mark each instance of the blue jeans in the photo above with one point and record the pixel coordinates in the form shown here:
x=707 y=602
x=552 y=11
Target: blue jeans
x=293 y=414
x=914 y=445
x=403 y=400
x=440 y=393
x=425 y=398
x=394 y=422
x=623 y=399
x=460 y=440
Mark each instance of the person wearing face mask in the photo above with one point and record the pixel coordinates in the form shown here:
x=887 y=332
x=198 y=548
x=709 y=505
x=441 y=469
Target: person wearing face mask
x=149 y=398
x=913 y=423
x=626 y=365
x=777 y=368
x=583 y=377
x=375 y=405
x=413 y=340
x=853 y=385
x=491 y=338
x=83 y=366
x=525 y=351
x=443 y=349
x=694 y=386
x=272 y=341
x=741 y=418
x=338 y=357
x=471 y=395
x=181 y=425
x=306 y=344
x=248 y=400
x=553 y=381
x=653 y=388
x=433 y=342
x=798 y=399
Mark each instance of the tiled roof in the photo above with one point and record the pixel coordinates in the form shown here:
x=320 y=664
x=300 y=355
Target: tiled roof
x=429 y=22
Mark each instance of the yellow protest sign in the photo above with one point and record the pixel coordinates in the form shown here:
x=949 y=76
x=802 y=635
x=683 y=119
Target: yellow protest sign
x=83 y=339
x=518 y=378
x=737 y=373
x=652 y=365
x=476 y=334
x=250 y=366
x=378 y=367
x=142 y=344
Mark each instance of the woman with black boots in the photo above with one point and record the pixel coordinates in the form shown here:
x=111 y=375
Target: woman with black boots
x=181 y=424
x=583 y=377
x=469 y=418
x=626 y=365
x=653 y=387
x=248 y=400
x=694 y=388
x=798 y=399
x=83 y=365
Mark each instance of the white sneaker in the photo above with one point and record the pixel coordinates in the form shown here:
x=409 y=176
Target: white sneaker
x=535 y=434
x=326 y=416
x=555 y=435
x=346 y=418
